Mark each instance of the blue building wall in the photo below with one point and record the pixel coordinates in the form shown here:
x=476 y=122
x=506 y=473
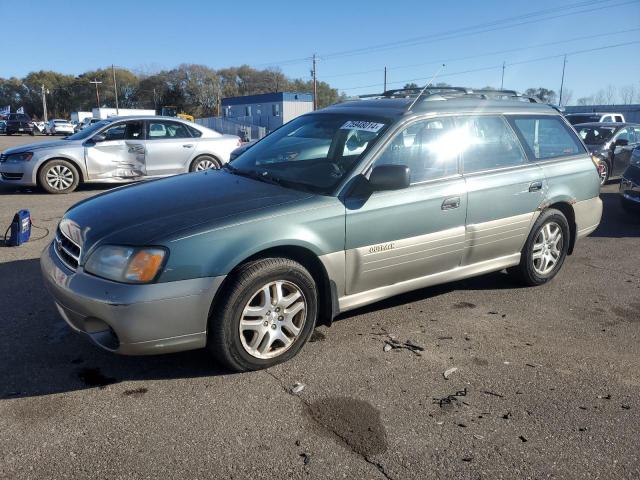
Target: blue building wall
x=269 y=110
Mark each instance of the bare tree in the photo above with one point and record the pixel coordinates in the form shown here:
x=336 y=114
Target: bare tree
x=610 y=95
x=627 y=94
x=599 y=97
x=582 y=101
x=567 y=96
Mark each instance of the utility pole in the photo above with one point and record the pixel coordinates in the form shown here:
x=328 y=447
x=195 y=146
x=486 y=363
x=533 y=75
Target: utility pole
x=96 y=82
x=155 y=101
x=315 y=83
x=385 y=79
x=115 y=88
x=44 y=103
x=502 y=81
x=564 y=64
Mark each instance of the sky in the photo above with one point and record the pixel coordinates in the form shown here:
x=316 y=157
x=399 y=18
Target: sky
x=354 y=40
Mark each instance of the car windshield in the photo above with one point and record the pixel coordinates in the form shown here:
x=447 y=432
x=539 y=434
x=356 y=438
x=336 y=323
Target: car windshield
x=88 y=131
x=313 y=152
x=595 y=135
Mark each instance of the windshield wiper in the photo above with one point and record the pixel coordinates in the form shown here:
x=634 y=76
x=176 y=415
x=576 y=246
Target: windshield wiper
x=268 y=177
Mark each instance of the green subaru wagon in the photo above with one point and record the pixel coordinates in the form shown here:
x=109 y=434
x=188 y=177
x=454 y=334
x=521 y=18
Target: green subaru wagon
x=337 y=209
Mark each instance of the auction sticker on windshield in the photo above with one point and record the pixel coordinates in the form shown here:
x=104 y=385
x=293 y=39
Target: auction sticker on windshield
x=362 y=125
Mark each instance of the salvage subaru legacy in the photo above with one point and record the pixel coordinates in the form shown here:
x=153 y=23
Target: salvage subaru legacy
x=337 y=209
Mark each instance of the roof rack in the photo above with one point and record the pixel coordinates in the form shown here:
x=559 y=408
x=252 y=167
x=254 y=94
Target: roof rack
x=420 y=94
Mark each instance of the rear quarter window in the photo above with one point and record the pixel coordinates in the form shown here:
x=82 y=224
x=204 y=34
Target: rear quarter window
x=546 y=137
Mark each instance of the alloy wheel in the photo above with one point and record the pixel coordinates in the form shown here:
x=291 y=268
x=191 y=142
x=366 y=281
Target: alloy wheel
x=59 y=177
x=206 y=164
x=273 y=319
x=547 y=248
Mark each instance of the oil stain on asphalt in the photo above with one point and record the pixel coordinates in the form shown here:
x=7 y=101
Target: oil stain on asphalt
x=356 y=422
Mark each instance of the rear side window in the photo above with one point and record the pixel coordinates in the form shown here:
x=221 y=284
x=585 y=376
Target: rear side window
x=166 y=130
x=194 y=132
x=487 y=143
x=546 y=137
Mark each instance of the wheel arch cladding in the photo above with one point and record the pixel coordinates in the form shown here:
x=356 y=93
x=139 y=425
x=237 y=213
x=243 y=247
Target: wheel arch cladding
x=567 y=211
x=327 y=294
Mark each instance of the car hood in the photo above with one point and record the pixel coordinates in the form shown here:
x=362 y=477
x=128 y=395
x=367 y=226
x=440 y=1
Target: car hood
x=32 y=147
x=150 y=211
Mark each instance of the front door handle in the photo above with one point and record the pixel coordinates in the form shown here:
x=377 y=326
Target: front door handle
x=451 y=203
x=535 y=186
x=188 y=145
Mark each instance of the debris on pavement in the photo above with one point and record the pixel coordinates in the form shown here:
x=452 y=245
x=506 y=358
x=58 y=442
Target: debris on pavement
x=392 y=344
x=448 y=372
x=489 y=392
x=521 y=437
x=297 y=388
x=306 y=458
x=452 y=398
x=506 y=415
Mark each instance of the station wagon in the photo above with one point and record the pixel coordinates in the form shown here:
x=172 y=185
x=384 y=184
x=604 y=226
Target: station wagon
x=337 y=209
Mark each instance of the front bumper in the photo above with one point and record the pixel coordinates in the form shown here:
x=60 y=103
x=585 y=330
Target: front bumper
x=630 y=185
x=131 y=319
x=18 y=173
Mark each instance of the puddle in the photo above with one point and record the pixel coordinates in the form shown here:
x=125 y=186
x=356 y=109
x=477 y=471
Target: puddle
x=92 y=377
x=355 y=421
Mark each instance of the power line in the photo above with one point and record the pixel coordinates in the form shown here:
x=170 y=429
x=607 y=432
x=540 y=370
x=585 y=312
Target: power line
x=492 y=67
x=469 y=30
x=488 y=54
x=481 y=28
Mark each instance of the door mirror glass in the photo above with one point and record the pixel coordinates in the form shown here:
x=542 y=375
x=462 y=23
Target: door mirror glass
x=389 y=177
x=99 y=138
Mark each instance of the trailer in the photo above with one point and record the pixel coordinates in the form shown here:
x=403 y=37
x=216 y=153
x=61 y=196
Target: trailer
x=78 y=117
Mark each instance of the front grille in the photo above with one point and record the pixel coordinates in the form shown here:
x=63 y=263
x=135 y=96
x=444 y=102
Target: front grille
x=67 y=250
x=3 y=157
x=11 y=176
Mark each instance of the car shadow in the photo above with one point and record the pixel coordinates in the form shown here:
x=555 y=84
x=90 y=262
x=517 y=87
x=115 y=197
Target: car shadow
x=41 y=355
x=616 y=222
x=8 y=189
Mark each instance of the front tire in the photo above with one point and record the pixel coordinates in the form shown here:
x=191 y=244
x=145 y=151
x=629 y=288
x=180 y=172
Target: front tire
x=545 y=250
x=59 y=176
x=265 y=315
x=204 y=162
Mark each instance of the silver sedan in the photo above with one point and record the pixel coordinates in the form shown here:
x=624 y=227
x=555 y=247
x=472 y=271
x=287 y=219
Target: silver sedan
x=117 y=150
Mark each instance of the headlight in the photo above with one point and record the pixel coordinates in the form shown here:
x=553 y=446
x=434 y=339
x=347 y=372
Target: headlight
x=20 y=157
x=126 y=264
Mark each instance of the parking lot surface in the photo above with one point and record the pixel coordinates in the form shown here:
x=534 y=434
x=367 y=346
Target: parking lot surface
x=547 y=382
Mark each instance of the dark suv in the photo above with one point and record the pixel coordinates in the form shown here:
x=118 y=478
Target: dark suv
x=19 y=123
x=612 y=143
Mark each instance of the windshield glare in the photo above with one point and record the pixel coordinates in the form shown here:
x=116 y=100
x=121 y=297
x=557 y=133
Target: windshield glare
x=595 y=135
x=313 y=152
x=88 y=131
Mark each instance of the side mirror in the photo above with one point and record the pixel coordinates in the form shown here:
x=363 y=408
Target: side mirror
x=99 y=138
x=389 y=177
x=622 y=142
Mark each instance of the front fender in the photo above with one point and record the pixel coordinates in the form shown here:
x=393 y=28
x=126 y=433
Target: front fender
x=78 y=162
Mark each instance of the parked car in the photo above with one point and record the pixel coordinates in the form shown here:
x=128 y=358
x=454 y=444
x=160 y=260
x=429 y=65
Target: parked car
x=575 y=118
x=39 y=127
x=611 y=144
x=88 y=121
x=3 y=126
x=246 y=260
x=58 y=126
x=630 y=184
x=117 y=150
x=19 y=123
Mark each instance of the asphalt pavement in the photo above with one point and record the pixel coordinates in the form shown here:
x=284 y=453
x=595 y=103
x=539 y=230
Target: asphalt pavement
x=547 y=382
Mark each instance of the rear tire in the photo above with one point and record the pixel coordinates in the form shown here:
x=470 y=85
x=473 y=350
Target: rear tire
x=205 y=162
x=545 y=250
x=58 y=176
x=264 y=316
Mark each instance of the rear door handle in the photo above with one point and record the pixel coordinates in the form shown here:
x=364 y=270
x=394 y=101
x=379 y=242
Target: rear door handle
x=535 y=186
x=188 y=145
x=451 y=203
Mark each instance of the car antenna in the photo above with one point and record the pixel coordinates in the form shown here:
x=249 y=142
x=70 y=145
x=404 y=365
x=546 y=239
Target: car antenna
x=426 y=86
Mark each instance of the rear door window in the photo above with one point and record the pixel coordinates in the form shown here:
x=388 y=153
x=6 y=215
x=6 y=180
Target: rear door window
x=487 y=143
x=546 y=137
x=162 y=130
